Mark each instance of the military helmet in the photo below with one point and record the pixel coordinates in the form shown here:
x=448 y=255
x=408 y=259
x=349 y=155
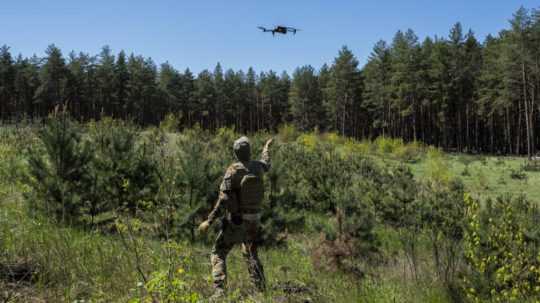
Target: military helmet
x=242 y=149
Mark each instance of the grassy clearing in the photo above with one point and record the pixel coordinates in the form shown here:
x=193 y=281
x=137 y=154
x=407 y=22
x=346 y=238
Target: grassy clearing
x=489 y=176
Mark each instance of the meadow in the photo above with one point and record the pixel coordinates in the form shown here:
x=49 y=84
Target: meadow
x=107 y=212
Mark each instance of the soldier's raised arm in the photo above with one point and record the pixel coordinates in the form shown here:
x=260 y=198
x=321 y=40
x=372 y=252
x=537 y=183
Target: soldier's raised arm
x=265 y=157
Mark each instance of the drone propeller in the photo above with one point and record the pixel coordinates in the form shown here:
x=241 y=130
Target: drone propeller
x=263 y=29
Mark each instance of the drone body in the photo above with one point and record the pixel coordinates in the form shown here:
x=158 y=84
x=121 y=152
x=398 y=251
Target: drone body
x=279 y=29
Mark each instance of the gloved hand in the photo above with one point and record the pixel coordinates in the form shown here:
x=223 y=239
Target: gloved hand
x=203 y=228
x=268 y=142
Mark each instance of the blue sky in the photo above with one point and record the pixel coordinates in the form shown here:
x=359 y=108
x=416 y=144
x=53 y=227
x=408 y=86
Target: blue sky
x=198 y=34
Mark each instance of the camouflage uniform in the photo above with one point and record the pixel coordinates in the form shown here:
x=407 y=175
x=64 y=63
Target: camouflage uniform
x=241 y=223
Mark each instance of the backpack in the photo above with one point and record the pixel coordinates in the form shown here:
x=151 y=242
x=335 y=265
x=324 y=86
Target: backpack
x=251 y=193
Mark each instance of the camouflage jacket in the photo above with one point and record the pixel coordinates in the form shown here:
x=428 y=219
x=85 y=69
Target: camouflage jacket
x=230 y=186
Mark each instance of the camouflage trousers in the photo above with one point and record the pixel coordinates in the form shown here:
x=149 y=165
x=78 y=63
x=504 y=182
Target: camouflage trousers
x=230 y=235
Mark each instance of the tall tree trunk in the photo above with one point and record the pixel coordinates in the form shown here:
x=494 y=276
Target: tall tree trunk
x=526 y=103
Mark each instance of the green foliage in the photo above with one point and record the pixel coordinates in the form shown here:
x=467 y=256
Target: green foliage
x=288 y=133
x=126 y=176
x=171 y=287
x=437 y=169
x=442 y=212
x=502 y=249
x=532 y=165
x=11 y=162
x=59 y=172
x=387 y=145
x=351 y=242
x=518 y=174
x=77 y=176
x=170 y=123
x=389 y=230
x=197 y=176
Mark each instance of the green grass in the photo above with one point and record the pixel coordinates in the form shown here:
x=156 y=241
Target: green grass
x=76 y=264
x=488 y=176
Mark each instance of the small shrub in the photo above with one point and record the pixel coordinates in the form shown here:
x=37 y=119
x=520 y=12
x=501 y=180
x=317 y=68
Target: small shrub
x=309 y=140
x=126 y=172
x=387 y=145
x=437 y=168
x=170 y=123
x=502 y=250
x=532 y=165
x=466 y=172
x=408 y=152
x=334 y=139
x=499 y=161
x=442 y=214
x=518 y=174
x=288 y=133
x=171 y=284
x=483 y=180
x=352 y=242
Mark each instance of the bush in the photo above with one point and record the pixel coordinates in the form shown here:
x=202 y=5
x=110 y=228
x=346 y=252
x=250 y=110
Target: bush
x=351 y=243
x=532 y=165
x=502 y=250
x=125 y=169
x=387 y=145
x=198 y=179
x=60 y=172
x=77 y=176
x=171 y=123
x=288 y=133
x=437 y=168
x=443 y=217
x=518 y=174
x=408 y=153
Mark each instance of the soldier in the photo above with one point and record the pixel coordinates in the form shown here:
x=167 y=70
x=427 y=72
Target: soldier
x=241 y=195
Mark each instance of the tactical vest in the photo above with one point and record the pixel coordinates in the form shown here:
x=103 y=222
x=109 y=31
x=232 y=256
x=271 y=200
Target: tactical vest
x=251 y=194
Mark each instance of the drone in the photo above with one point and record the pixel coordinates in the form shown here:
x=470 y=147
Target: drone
x=279 y=29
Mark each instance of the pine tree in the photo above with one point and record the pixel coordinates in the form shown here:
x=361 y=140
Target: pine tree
x=404 y=82
x=105 y=82
x=186 y=97
x=343 y=92
x=7 y=83
x=169 y=84
x=219 y=102
x=305 y=98
x=58 y=171
x=205 y=96
x=26 y=84
x=252 y=97
x=127 y=177
x=195 y=177
x=121 y=78
x=376 y=95
x=80 y=86
x=54 y=77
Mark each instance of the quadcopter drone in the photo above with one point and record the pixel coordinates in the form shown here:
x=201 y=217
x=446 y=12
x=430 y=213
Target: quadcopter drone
x=279 y=29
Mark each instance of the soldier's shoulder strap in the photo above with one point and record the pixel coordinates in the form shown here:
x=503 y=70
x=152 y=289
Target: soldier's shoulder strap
x=237 y=167
x=232 y=177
